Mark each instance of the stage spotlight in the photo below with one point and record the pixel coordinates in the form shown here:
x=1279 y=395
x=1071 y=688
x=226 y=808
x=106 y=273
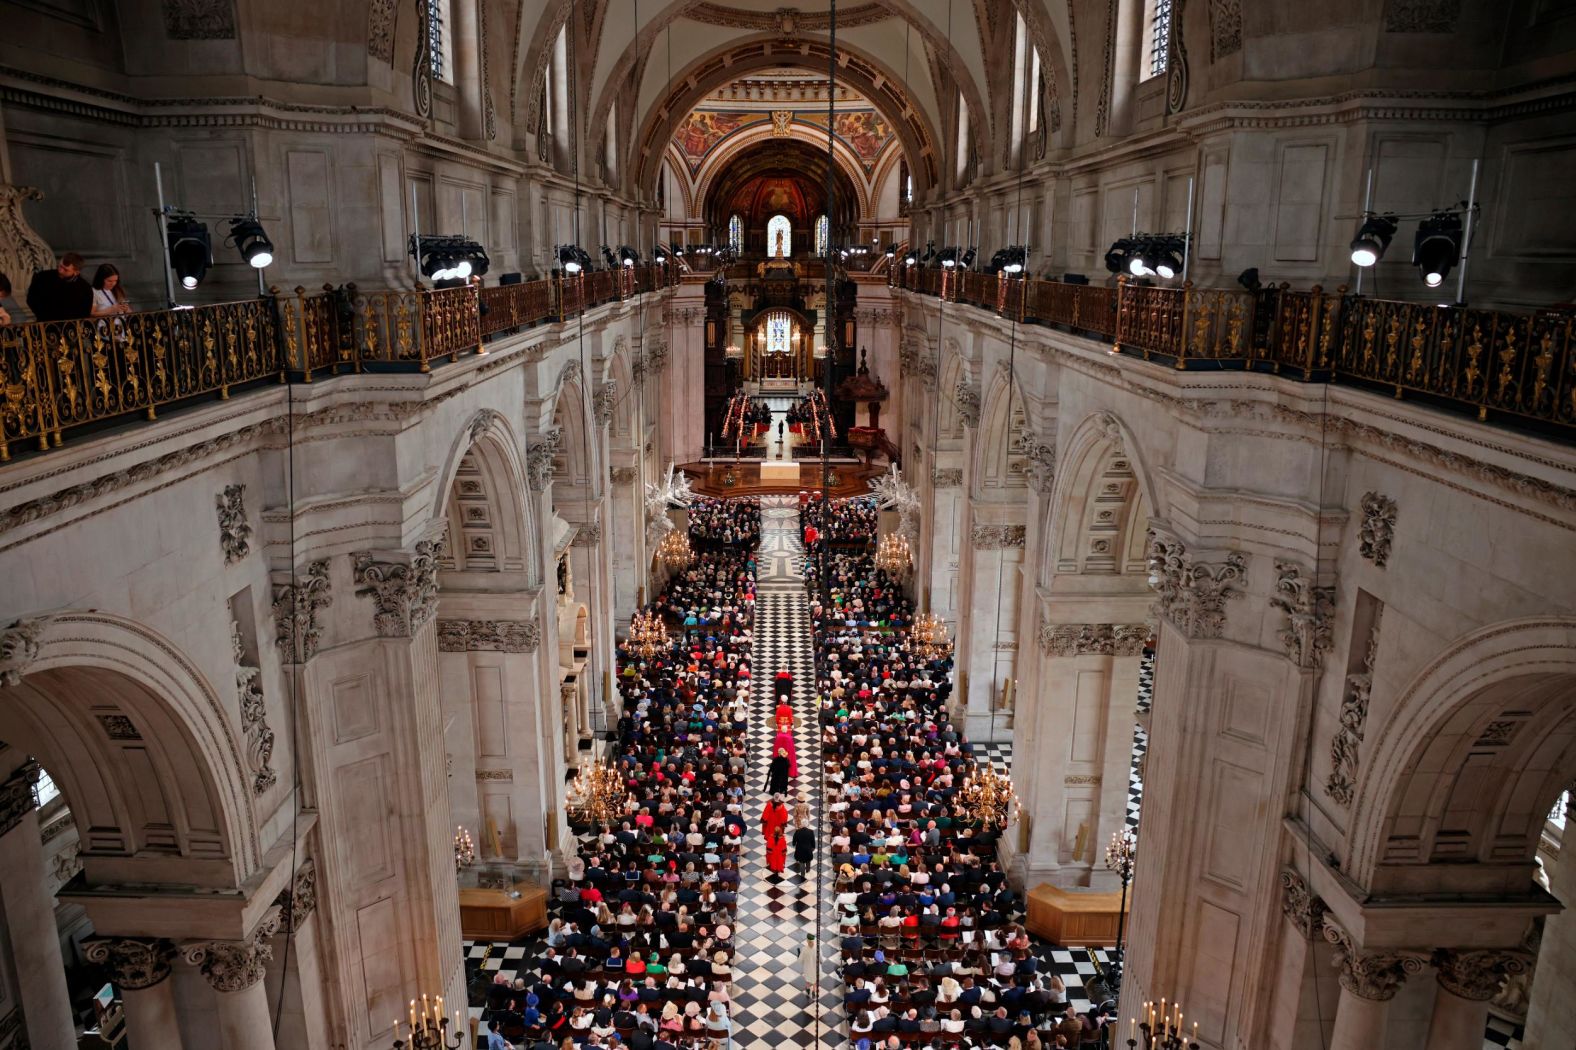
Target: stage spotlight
x=1168 y=257
x=609 y=258
x=1373 y=237
x=891 y=250
x=930 y=253
x=1142 y=262
x=1249 y=279
x=1437 y=247
x=627 y=255
x=569 y=258
x=1119 y=256
x=912 y=258
x=948 y=258
x=191 y=250
x=969 y=257
x=252 y=242
x=1017 y=257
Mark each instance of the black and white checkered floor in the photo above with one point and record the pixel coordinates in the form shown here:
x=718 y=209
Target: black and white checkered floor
x=771 y=1005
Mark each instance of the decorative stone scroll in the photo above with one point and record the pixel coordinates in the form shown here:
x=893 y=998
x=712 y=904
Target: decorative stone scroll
x=1299 y=904
x=1193 y=594
x=1375 y=976
x=997 y=537
x=17 y=795
x=380 y=29
x=255 y=733
x=497 y=636
x=605 y=401
x=405 y=594
x=235 y=533
x=1341 y=784
x=19 y=647
x=1093 y=639
x=657 y=356
x=1040 y=464
x=539 y=460
x=587 y=535
x=22 y=249
x=623 y=475
x=1309 y=611
x=1476 y=975
x=1378 y=528
x=966 y=396
x=299 y=899
x=296 y=627
x=134 y=964
x=234 y=966
x=946 y=478
x=199 y=19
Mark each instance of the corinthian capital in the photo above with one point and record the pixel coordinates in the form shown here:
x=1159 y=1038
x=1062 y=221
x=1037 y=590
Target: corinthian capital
x=234 y=966
x=133 y=964
x=1376 y=976
x=1476 y=975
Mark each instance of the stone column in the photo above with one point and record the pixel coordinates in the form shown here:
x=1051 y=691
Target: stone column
x=235 y=971
x=1369 y=980
x=30 y=916
x=1467 y=981
x=141 y=970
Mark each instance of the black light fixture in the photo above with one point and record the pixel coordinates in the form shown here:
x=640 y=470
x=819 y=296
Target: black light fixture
x=1119 y=255
x=1168 y=256
x=627 y=255
x=572 y=258
x=448 y=257
x=930 y=253
x=609 y=258
x=1373 y=237
x=1017 y=258
x=1249 y=279
x=948 y=258
x=891 y=251
x=191 y=249
x=968 y=258
x=252 y=242
x=1144 y=258
x=1436 y=247
x=911 y=258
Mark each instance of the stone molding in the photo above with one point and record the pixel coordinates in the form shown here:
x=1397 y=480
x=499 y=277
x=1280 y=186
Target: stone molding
x=1377 y=531
x=1040 y=464
x=1421 y=16
x=296 y=605
x=539 y=460
x=234 y=966
x=946 y=477
x=1093 y=639
x=19 y=647
x=604 y=402
x=587 y=535
x=997 y=537
x=235 y=532
x=1341 y=784
x=134 y=964
x=298 y=900
x=624 y=475
x=1310 y=613
x=1476 y=975
x=657 y=356
x=1193 y=594
x=256 y=735
x=500 y=636
x=1375 y=976
x=405 y=593
x=966 y=396
x=18 y=796
x=199 y=19
x=1299 y=904
x=1225 y=28
x=380 y=29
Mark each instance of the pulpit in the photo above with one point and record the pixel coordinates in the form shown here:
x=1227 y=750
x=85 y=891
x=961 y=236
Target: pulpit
x=1074 y=917
x=502 y=915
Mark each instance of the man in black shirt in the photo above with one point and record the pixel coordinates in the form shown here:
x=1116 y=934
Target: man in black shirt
x=61 y=294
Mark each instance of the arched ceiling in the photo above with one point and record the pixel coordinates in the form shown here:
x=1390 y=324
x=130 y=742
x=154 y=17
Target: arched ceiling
x=779 y=176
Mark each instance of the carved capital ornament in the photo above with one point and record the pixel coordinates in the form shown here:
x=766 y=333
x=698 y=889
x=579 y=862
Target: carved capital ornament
x=134 y=964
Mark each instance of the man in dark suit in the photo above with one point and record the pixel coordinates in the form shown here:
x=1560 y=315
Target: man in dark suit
x=61 y=294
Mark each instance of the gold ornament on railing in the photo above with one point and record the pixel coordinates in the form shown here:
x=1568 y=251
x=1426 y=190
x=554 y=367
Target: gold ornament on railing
x=675 y=551
x=464 y=849
x=647 y=636
x=989 y=795
x=892 y=554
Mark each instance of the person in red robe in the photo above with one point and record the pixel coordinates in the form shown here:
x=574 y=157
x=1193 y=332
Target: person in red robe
x=776 y=849
x=784 y=716
x=774 y=818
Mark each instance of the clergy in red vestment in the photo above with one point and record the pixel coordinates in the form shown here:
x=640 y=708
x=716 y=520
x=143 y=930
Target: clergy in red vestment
x=774 y=817
x=776 y=849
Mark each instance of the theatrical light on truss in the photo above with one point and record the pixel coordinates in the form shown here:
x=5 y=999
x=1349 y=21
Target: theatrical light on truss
x=989 y=795
x=647 y=635
x=892 y=554
x=1009 y=260
x=252 y=242
x=967 y=262
x=948 y=258
x=627 y=255
x=1120 y=254
x=930 y=253
x=448 y=257
x=1373 y=237
x=191 y=250
x=430 y=1029
x=1437 y=247
x=572 y=258
x=911 y=258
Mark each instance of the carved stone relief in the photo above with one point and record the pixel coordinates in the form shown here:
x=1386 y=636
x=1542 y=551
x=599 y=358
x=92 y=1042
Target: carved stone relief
x=587 y=535
x=134 y=964
x=199 y=19
x=1093 y=639
x=503 y=636
x=233 y=966
x=1421 y=16
x=1309 y=611
x=17 y=798
x=946 y=478
x=1040 y=465
x=235 y=532
x=22 y=250
x=539 y=460
x=997 y=537
x=1193 y=594
x=296 y=626
x=299 y=899
x=256 y=735
x=1375 y=976
x=967 y=397
x=1299 y=904
x=1377 y=529
x=623 y=475
x=405 y=595
x=380 y=29
x=1225 y=28
x=1341 y=784
x=604 y=403
x=1476 y=975
x=19 y=646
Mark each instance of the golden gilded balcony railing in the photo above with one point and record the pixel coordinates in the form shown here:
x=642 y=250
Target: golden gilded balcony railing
x=1511 y=368
x=60 y=376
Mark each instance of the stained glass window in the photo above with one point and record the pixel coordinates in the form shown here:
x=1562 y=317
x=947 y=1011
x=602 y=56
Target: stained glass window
x=779 y=237
x=736 y=233
x=778 y=329
x=822 y=228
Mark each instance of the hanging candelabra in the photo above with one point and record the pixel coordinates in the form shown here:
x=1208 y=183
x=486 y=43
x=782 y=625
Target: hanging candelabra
x=1120 y=856
x=675 y=551
x=647 y=635
x=596 y=794
x=892 y=554
x=929 y=635
x=989 y=795
x=430 y=1029
x=464 y=849
x=1161 y=1029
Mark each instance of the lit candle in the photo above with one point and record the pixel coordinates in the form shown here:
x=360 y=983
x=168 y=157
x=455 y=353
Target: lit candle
x=413 y=1015
x=1195 y=1031
x=439 y=1011
x=424 y=1010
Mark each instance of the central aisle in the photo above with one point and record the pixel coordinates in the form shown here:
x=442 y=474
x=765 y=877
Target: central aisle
x=771 y=1005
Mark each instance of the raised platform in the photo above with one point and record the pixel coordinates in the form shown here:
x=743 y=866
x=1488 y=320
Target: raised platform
x=502 y=915
x=712 y=479
x=1074 y=917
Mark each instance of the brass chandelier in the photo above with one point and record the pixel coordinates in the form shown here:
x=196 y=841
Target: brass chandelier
x=647 y=635
x=929 y=636
x=989 y=795
x=675 y=551
x=892 y=554
x=596 y=795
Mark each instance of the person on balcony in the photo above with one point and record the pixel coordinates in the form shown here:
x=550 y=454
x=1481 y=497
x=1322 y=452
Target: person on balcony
x=109 y=298
x=61 y=294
